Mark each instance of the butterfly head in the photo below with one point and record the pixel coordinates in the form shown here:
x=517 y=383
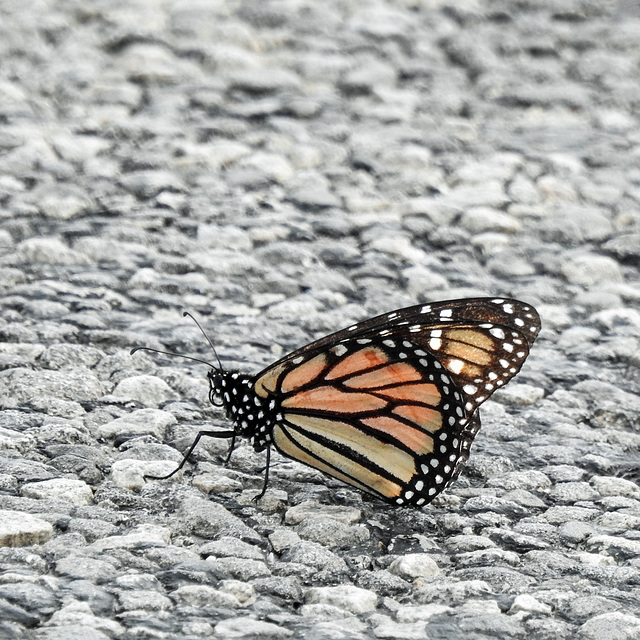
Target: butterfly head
x=216 y=386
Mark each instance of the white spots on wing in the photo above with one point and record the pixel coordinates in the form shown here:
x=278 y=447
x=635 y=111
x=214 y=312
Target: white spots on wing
x=298 y=360
x=503 y=363
x=498 y=300
x=353 y=327
x=507 y=308
x=507 y=346
x=455 y=365
x=389 y=343
x=339 y=350
x=519 y=322
x=492 y=375
x=436 y=333
x=406 y=343
x=497 y=332
x=402 y=355
x=392 y=316
x=415 y=328
x=426 y=309
x=435 y=344
x=470 y=389
x=363 y=340
x=446 y=313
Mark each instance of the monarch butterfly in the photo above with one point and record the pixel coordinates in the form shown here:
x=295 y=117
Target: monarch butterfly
x=388 y=405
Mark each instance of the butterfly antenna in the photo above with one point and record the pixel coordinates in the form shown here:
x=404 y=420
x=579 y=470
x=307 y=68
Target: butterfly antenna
x=170 y=353
x=215 y=353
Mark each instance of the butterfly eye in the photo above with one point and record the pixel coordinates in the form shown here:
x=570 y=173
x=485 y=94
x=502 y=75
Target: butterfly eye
x=215 y=400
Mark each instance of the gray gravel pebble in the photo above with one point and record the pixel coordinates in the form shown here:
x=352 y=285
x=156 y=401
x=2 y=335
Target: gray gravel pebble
x=18 y=529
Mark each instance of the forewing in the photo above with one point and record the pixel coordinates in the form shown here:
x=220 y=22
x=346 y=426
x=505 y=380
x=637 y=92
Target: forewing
x=481 y=342
x=383 y=417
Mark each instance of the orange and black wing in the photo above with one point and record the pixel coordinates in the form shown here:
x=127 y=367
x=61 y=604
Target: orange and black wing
x=390 y=405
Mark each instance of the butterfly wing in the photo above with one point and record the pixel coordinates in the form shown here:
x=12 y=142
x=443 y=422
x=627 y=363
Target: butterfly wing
x=390 y=405
x=482 y=342
x=503 y=312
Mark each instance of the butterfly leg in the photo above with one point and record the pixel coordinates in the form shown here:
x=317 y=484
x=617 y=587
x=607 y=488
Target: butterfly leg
x=210 y=434
x=266 y=476
x=232 y=448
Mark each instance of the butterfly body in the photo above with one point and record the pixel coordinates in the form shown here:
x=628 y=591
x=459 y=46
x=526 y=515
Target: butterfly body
x=253 y=417
x=389 y=405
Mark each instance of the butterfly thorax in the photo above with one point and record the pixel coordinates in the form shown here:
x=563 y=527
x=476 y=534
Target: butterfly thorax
x=253 y=417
